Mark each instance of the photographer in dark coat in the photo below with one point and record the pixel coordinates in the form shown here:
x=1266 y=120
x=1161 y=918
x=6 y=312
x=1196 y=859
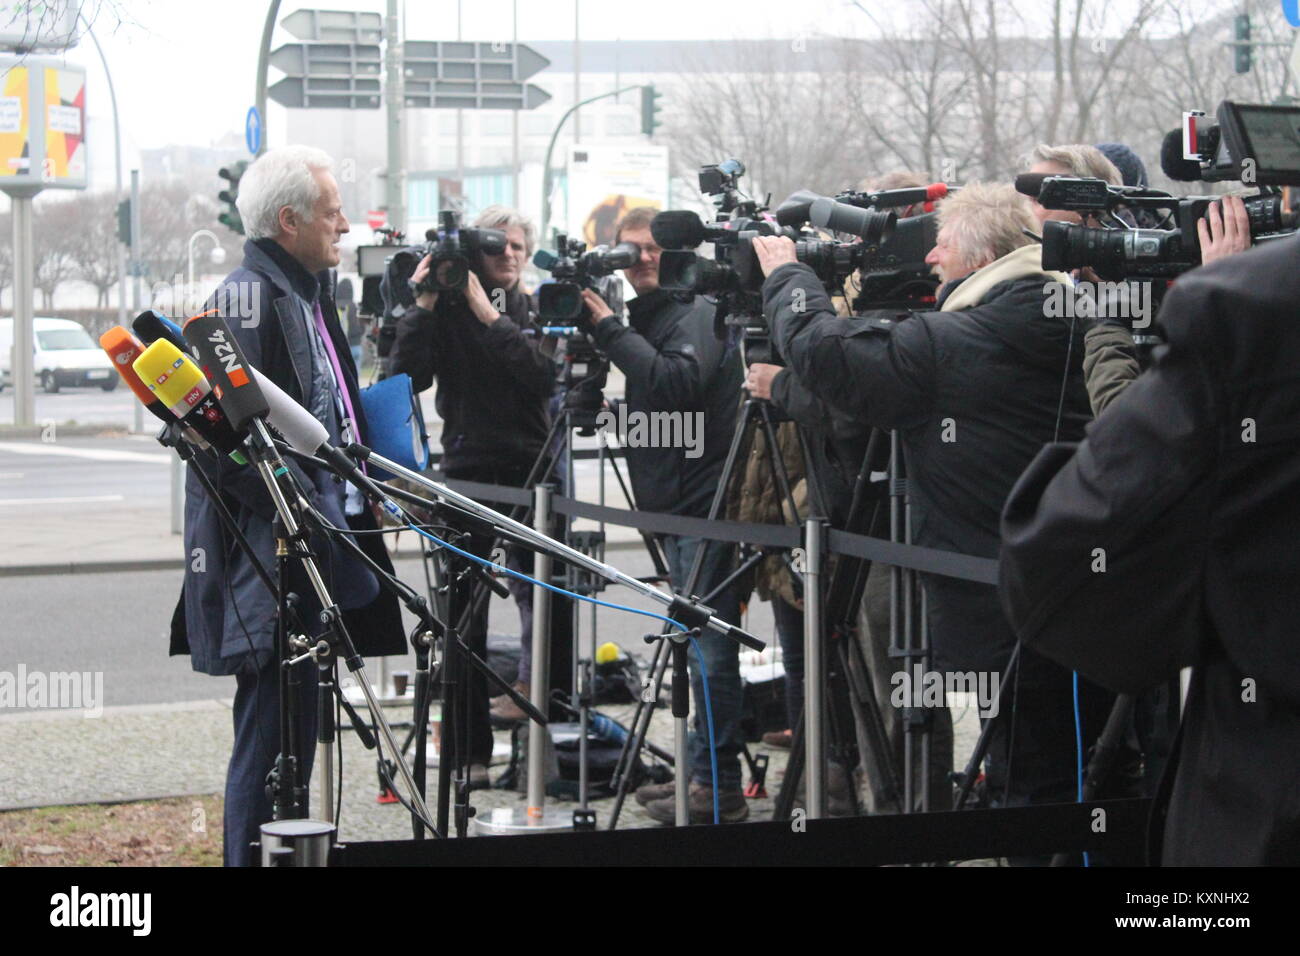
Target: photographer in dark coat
x=674 y=364
x=494 y=386
x=974 y=389
x=278 y=305
x=1167 y=539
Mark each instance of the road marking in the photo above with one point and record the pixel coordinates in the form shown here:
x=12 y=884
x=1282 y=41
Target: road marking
x=90 y=454
x=72 y=500
x=11 y=474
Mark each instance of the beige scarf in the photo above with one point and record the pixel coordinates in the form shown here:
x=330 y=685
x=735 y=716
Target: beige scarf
x=1025 y=261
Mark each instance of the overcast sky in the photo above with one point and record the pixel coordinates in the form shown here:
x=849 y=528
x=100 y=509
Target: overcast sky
x=184 y=71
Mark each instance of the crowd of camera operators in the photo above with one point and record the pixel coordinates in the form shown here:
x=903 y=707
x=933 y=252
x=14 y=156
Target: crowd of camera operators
x=975 y=378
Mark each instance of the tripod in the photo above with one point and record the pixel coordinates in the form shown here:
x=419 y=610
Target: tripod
x=755 y=414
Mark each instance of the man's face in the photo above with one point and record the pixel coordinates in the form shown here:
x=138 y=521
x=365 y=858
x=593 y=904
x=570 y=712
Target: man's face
x=315 y=244
x=944 y=259
x=644 y=276
x=503 y=271
x=1043 y=215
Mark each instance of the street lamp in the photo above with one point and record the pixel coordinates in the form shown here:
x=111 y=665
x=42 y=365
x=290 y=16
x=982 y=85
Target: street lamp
x=218 y=255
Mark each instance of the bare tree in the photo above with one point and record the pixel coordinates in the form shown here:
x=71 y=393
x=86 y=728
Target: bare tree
x=53 y=239
x=94 y=244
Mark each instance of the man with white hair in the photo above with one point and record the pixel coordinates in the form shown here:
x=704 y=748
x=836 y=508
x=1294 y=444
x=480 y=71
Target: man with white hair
x=973 y=389
x=279 y=305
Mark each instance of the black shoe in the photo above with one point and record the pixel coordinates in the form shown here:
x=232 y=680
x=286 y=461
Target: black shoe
x=732 y=807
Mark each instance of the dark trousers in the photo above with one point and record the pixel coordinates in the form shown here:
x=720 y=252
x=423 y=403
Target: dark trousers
x=789 y=630
x=257 y=743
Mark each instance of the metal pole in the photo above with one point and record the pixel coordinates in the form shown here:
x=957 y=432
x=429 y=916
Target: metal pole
x=577 y=75
x=541 y=677
x=515 y=200
x=395 y=184
x=24 y=375
x=263 y=59
x=460 y=120
x=814 y=706
x=137 y=410
x=137 y=297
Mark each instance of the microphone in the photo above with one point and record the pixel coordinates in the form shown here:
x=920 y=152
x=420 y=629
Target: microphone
x=1172 y=162
x=123 y=349
x=908 y=196
x=151 y=325
x=680 y=229
x=1031 y=184
x=223 y=362
x=179 y=386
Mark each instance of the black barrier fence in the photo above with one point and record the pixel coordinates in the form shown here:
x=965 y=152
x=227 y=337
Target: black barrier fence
x=951 y=564
x=1111 y=829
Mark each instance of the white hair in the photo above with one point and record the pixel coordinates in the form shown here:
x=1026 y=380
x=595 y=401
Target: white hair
x=986 y=221
x=280 y=177
x=503 y=217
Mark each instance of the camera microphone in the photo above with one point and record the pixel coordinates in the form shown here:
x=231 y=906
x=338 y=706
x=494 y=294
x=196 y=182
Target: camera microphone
x=1173 y=163
x=1031 y=184
x=680 y=229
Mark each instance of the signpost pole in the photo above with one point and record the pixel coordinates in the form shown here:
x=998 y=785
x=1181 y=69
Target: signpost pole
x=24 y=341
x=393 y=99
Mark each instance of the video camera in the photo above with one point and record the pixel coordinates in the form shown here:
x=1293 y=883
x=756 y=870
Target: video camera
x=1254 y=144
x=574 y=268
x=585 y=369
x=1114 y=249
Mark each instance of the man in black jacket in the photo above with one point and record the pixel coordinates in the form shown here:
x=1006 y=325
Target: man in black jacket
x=675 y=365
x=278 y=305
x=1167 y=539
x=974 y=389
x=494 y=386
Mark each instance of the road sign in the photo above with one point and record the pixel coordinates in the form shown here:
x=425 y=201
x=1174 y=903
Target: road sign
x=253 y=130
x=305 y=92
x=376 y=218
x=328 y=59
x=335 y=26
x=486 y=76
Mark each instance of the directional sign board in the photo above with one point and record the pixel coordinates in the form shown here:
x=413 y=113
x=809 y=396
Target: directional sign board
x=335 y=26
x=486 y=76
x=328 y=76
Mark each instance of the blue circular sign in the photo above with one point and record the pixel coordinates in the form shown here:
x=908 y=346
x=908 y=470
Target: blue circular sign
x=253 y=130
x=1291 y=10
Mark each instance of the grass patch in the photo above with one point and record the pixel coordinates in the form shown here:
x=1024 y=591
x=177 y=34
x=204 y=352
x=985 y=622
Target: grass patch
x=183 y=831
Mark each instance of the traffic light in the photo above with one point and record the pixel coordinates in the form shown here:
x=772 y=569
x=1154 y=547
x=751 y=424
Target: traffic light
x=1241 y=51
x=649 y=110
x=124 y=222
x=232 y=174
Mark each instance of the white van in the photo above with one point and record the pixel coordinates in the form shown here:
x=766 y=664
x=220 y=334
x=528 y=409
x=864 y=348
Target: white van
x=65 y=355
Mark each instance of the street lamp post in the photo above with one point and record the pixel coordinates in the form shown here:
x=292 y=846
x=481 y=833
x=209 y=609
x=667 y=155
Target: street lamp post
x=189 y=255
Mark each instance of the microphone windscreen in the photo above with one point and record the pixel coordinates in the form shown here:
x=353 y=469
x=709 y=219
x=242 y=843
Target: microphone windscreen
x=1030 y=184
x=936 y=191
x=223 y=362
x=172 y=377
x=123 y=349
x=1172 y=162
x=300 y=428
x=677 y=229
x=152 y=325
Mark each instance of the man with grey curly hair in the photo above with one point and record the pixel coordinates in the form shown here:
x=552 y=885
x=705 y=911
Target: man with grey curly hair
x=974 y=388
x=279 y=304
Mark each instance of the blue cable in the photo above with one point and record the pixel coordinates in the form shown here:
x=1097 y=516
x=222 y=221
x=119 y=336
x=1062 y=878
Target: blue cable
x=704 y=677
x=1078 y=750
x=708 y=716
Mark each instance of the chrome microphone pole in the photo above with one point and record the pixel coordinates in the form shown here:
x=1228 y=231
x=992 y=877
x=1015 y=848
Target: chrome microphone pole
x=271 y=467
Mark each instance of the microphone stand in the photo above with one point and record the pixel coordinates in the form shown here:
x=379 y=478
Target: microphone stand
x=272 y=469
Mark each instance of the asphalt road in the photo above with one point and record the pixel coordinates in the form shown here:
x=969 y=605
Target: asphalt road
x=117 y=623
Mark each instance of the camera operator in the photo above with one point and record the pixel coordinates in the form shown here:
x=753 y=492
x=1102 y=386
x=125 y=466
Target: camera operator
x=494 y=386
x=1189 y=482
x=974 y=389
x=837 y=446
x=674 y=363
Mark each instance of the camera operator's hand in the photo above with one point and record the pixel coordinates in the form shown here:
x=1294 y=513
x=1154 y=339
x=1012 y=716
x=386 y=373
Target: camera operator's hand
x=597 y=309
x=478 y=300
x=758 y=380
x=773 y=251
x=1224 y=230
x=425 y=300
